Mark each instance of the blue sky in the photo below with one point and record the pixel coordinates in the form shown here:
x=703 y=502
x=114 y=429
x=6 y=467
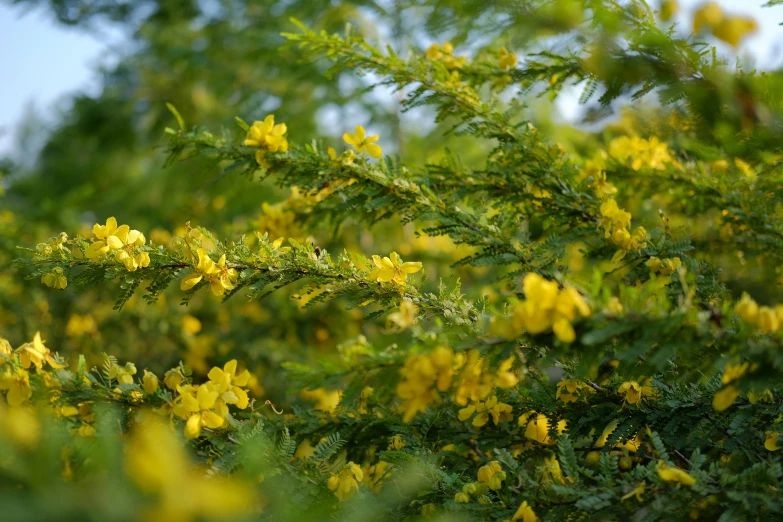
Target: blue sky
x=42 y=63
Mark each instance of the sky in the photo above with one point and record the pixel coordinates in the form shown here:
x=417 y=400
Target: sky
x=42 y=63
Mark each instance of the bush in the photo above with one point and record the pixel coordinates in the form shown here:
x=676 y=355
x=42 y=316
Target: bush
x=590 y=354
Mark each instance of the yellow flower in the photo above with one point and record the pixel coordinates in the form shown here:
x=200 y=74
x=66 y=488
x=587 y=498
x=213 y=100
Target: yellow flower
x=21 y=425
x=725 y=397
x=55 y=278
x=158 y=463
x=150 y=382
x=196 y=403
x=669 y=8
x=747 y=309
x=17 y=382
x=173 y=378
x=220 y=277
x=462 y=498
x=227 y=383
x=768 y=320
x=103 y=233
x=538 y=429
x=507 y=59
x=422 y=375
x=325 y=400
x=634 y=392
x=125 y=241
x=764 y=396
x=35 y=353
x=631 y=445
x=346 y=484
x=267 y=135
x=444 y=54
x=546 y=307
x=771 y=441
x=506 y=378
x=524 y=513
x=636 y=492
x=428 y=510
x=572 y=390
x=360 y=142
x=404 y=317
x=392 y=269
x=664 y=266
x=123 y=374
x=396 y=442
x=673 y=474
x=732 y=372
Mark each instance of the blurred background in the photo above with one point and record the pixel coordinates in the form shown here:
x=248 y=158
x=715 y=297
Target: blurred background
x=82 y=114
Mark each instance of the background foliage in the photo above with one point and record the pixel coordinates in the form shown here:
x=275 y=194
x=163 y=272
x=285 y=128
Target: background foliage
x=477 y=184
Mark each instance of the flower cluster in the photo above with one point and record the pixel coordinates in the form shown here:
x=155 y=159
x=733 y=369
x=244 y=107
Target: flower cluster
x=499 y=412
x=126 y=245
x=639 y=153
x=730 y=29
x=616 y=222
x=444 y=54
x=207 y=404
x=422 y=375
x=769 y=320
x=346 y=483
x=663 y=266
x=725 y=397
x=219 y=276
x=573 y=390
x=546 y=306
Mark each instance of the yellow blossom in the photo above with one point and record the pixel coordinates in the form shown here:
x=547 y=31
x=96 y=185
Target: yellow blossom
x=572 y=390
x=524 y=513
x=669 y=8
x=173 y=378
x=17 y=382
x=35 y=353
x=362 y=143
x=637 y=492
x=123 y=374
x=396 y=442
x=404 y=317
x=504 y=377
x=265 y=134
x=664 y=266
x=673 y=474
x=20 y=424
x=392 y=269
x=219 y=276
x=771 y=441
x=537 y=429
x=546 y=307
x=150 y=382
x=634 y=392
x=346 y=484
x=55 y=279
x=725 y=397
x=159 y=465
x=325 y=400
x=507 y=59
x=195 y=404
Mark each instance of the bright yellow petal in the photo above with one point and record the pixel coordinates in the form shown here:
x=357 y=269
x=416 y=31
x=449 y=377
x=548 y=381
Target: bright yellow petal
x=193 y=426
x=374 y=150
x=189 y=282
